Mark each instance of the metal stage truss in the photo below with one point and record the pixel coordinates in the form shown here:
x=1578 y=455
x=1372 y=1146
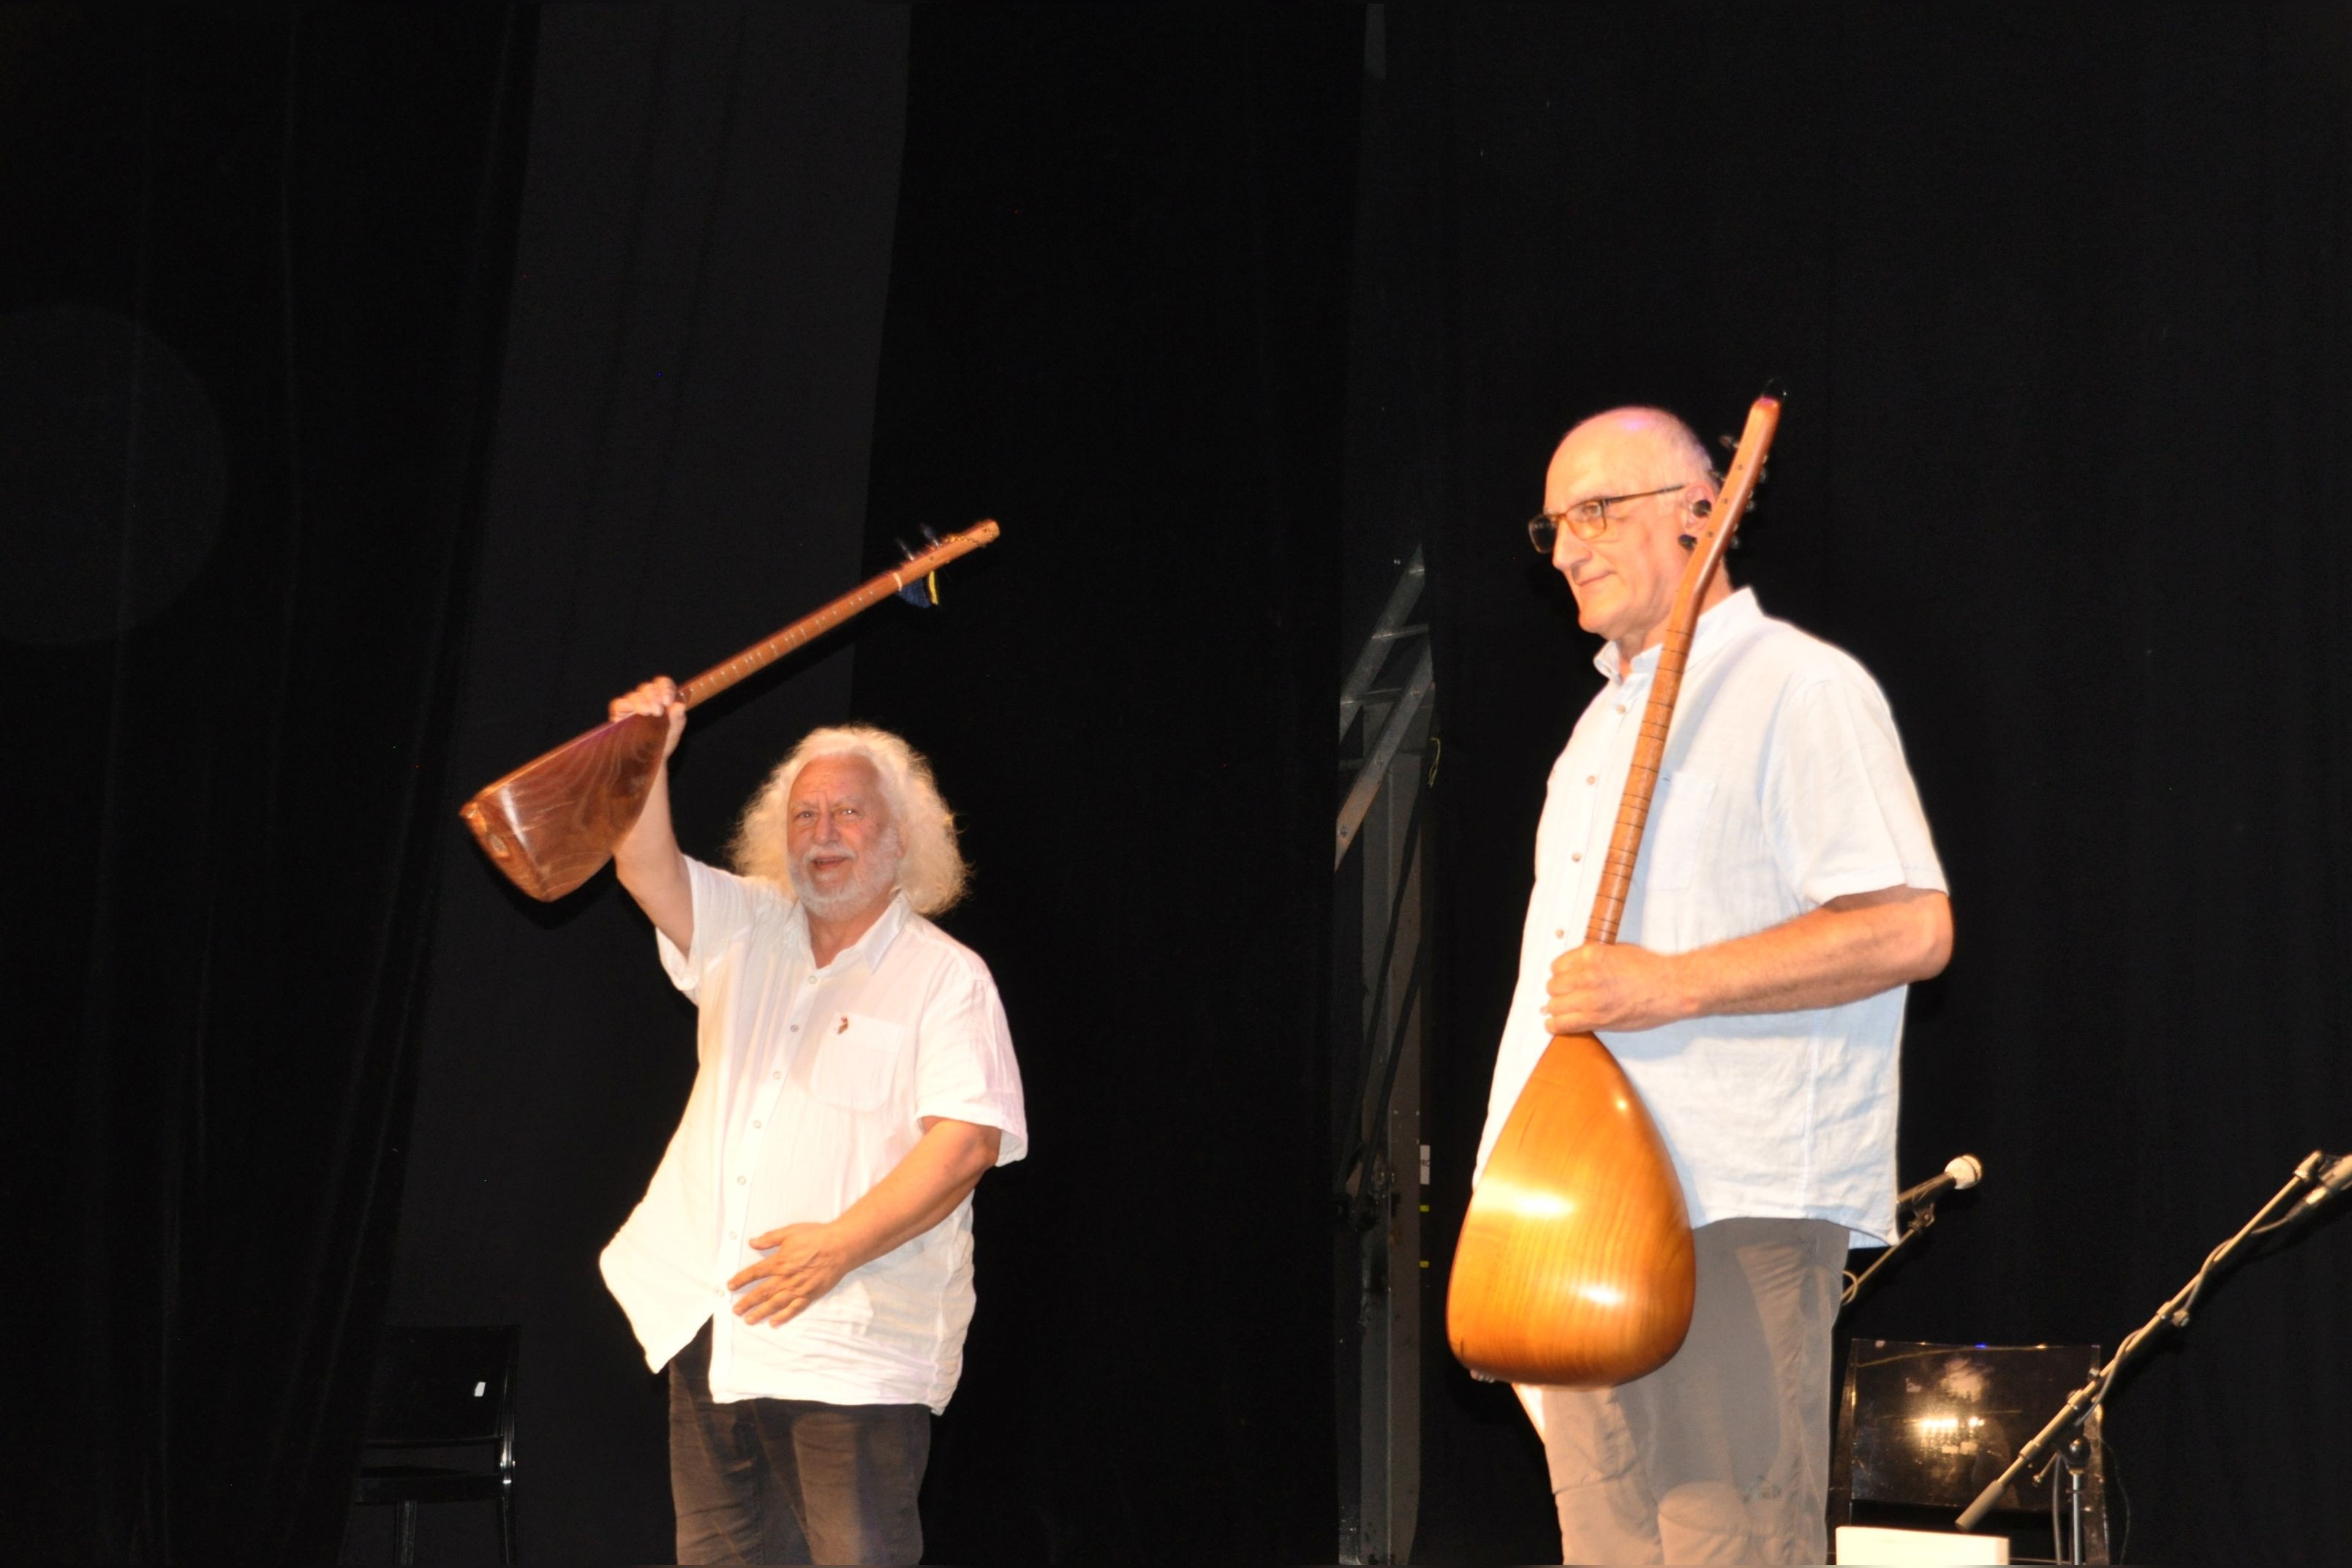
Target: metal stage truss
x=1380 y=863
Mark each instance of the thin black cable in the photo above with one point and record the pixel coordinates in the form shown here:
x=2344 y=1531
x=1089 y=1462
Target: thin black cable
x=2114 y=1473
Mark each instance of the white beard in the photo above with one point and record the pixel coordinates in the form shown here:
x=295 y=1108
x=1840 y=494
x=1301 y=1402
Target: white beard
x=870 y=875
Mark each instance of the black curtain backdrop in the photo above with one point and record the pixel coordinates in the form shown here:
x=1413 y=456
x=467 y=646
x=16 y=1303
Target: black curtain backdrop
x=1200 y=303
x=252 y=273
x=1117 y=322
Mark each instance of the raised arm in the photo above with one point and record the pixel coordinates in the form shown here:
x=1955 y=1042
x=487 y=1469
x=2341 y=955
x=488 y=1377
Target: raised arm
x=1849 y=947
x=650 y=863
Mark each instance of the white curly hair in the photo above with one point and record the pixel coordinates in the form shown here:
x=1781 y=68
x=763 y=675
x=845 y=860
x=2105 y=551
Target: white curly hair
x=932 y=869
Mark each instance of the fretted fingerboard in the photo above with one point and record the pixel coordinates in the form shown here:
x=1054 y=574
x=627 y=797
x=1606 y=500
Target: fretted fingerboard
x=1658 y=714
x=760 y=654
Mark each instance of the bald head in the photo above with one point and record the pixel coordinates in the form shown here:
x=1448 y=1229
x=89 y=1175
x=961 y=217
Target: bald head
x=1648 y=444
x=1653 y=475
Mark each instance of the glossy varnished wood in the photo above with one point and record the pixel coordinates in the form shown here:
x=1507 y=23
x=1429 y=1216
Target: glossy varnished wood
x=1575 y=1268
x=552 y=823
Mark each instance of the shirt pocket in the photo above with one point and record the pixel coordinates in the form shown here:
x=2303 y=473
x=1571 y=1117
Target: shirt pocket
x=1678 y=831
x=857 y=1058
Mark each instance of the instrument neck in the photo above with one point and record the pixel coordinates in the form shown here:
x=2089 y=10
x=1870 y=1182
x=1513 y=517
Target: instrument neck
x=1702 y=587
x=760 y=655
x=1720 y=588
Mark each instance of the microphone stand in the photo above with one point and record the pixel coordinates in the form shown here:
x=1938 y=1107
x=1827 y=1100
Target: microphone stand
x=1922 y=1216
x=2087 y=1398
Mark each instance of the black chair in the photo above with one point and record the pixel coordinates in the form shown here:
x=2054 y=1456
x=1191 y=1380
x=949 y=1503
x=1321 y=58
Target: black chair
x=442 y=1389
x=1923 y=1428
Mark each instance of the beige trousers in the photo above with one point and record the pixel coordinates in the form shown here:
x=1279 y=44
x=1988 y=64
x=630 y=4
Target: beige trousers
x=1721 y=1455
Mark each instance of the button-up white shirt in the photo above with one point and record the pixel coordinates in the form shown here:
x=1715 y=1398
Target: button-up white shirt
x=812 y=1086
x=1784 y=786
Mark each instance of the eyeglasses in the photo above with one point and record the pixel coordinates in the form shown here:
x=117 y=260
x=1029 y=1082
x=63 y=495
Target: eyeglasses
x=1588 y=520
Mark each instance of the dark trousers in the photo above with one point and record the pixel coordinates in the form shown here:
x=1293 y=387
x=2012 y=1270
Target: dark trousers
x=792 y=1481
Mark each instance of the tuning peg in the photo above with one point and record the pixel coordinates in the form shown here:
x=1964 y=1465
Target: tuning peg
x=923 y=593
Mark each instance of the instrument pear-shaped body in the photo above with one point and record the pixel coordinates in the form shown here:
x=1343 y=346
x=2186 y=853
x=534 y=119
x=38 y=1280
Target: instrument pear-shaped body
x=1575 y=1268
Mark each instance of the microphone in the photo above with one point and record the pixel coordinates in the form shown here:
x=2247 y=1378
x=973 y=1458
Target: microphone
x=1964 y=1172
x=2332 y=1181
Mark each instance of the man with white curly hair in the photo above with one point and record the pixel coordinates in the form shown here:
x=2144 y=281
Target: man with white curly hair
x=802 y=1260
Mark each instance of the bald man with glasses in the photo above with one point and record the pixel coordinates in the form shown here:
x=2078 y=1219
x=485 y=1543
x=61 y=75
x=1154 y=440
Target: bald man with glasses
x=1786 y=894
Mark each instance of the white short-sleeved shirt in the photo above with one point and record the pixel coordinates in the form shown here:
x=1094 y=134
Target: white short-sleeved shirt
x=1784 y=786
x=812 y=1086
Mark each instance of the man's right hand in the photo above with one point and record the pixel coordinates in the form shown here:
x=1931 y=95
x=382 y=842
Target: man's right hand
x=647 y=858
x=655 y=696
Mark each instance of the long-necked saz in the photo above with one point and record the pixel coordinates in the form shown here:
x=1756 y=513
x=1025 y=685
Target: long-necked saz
x=1575 y=1268
x=552 y=823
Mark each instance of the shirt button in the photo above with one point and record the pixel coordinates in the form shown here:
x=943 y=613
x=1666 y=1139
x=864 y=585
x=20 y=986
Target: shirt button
x=775 y=1075
x=1576 y=854
x=1621 y=708
x=755 y=1124
x=1592 y=778
x=796 y=1028
x=1560 y=932
x=731 y=1235
x=740 y=1180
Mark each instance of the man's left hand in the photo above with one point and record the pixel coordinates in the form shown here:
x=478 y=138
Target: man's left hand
x=1611 y=986
x=802 y=1265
